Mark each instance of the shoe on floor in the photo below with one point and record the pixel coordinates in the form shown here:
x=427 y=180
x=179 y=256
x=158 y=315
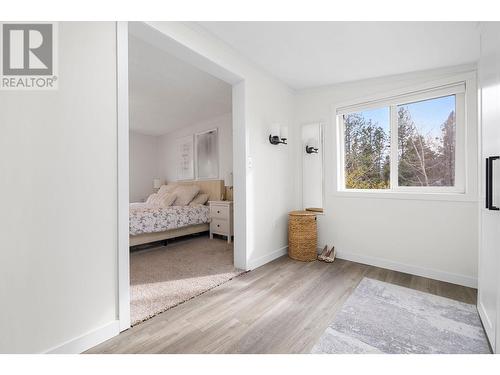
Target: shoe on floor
x=323 y=253
x=330 y=255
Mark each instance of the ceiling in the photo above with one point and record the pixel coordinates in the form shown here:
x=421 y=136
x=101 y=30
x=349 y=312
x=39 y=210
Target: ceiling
x=309 y=54
x=167 y=93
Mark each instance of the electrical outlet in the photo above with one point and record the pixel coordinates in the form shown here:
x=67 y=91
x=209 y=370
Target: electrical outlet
x=250 y=162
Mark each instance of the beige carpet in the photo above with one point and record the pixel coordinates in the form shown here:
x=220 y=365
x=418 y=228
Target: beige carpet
x=164 y=277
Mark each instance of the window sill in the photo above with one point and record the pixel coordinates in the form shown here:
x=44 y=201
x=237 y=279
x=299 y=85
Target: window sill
x=450 y=197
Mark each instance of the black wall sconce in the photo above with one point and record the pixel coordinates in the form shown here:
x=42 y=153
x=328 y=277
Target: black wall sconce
x=311 y=149
x=276 y=139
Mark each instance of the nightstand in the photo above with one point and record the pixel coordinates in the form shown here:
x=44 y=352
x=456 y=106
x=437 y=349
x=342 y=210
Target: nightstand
x=221 y=218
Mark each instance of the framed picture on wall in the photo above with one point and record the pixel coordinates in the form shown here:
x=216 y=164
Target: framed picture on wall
x=207 y=155
x=185 y=159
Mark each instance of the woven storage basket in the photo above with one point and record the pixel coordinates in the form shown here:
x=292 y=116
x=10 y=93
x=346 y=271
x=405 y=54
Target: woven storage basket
x=302 y=236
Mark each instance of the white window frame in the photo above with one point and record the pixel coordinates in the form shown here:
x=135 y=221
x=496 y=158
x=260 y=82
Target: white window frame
x=463 y=87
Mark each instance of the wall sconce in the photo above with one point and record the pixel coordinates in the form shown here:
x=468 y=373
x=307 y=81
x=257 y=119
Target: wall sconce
x=278 y=134
x=311 y=149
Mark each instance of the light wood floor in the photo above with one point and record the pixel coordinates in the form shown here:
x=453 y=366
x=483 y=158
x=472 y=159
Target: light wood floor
x=282 y=307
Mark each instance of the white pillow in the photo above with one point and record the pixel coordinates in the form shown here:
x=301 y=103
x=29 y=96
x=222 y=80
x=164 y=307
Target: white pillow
x=167 y=200
x=185 y=194
x=160 y=196
x=166 y=189
x=152 y=199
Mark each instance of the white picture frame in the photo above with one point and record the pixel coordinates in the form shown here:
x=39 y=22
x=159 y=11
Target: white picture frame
x=185 y=158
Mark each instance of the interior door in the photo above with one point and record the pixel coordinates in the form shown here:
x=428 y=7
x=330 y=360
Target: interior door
x=489 y=249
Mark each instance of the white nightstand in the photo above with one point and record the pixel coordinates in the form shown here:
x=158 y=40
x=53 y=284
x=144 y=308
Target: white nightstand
x=221 y=218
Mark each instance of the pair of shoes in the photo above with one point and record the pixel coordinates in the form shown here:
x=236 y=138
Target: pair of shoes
x=323 y=253
x=327 y=255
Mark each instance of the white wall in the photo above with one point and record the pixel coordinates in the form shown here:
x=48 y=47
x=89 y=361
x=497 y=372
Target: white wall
x=58 y=168
x=433 y=238
x=144 y=165
x=168 y=146
x=265 y=176
x=156 y=156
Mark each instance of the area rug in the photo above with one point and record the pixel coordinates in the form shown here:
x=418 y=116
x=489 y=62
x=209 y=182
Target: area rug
x=164 y=277
x=384 y=318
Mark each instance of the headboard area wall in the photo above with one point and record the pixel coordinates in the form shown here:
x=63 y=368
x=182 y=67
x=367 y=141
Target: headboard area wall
x=214 y=188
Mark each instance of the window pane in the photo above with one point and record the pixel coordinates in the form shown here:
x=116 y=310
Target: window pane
x=426 y=142
x=367 y=149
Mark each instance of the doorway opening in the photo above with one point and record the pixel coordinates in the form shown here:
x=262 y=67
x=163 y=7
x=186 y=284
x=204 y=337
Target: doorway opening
x=181 y=213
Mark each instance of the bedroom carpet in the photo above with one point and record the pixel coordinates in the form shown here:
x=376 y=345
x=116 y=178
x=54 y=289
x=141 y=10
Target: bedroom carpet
x=164 y=277
x=384 y=318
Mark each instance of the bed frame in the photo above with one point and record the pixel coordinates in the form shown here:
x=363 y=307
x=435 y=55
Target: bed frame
x=215 y=191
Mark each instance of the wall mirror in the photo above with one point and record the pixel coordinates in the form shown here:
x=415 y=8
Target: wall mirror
x=207 y=155
x=312 y=166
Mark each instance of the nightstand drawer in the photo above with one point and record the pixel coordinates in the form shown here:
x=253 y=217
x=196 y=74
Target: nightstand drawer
x=219 y=226
x=219 y=212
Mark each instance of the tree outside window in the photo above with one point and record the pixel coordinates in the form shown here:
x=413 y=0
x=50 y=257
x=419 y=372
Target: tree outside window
x=426 y=145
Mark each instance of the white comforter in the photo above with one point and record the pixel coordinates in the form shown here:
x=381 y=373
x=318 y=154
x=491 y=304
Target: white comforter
x=147 y=218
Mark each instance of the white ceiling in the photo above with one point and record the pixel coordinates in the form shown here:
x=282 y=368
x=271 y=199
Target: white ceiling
x=309 y=54
x=167 y=93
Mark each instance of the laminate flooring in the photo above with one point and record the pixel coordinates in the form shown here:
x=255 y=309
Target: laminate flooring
x=281 y=307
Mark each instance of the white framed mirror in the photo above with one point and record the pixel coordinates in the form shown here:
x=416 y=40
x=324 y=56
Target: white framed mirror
x=207 y=155
x=312 y=166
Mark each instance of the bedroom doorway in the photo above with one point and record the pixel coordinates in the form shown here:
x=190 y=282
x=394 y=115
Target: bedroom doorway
x=181 y=141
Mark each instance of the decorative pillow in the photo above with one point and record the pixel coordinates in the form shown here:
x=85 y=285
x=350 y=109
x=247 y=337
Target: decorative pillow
x=185 y=194
x=166 y=200
x=165 y=189
x=152 y=199
x=201 y=198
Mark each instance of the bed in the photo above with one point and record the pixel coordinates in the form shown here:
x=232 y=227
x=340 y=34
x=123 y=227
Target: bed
x=150 y=224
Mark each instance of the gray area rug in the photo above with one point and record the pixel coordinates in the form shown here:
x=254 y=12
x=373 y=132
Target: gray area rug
x=384 y=318
x=164 y=277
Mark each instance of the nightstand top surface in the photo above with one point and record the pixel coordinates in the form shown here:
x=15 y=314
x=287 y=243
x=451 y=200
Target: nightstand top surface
x=220 y=202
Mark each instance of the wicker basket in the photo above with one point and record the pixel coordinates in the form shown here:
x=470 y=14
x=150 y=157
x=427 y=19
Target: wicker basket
x=302 y=236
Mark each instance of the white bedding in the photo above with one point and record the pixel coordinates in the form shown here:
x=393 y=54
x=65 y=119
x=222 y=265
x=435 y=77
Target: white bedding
x=148 y=218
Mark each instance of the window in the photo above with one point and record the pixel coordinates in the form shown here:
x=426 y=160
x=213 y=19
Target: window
x=367 y=149
x=411 y=142
x=426 y=142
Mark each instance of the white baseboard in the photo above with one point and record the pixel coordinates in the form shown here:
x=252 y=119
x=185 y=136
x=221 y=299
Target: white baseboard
x=408 y=268
x=89 y=340
x=254 y=263
x=488 y=326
